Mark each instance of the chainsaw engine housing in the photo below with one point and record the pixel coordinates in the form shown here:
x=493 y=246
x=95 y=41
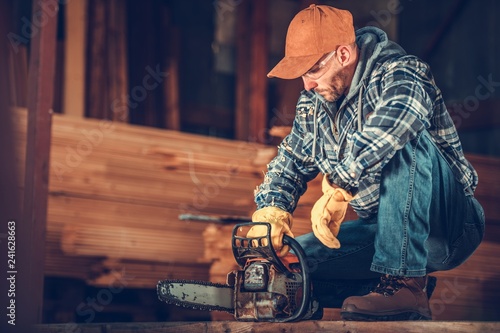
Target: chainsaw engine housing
x=262 y=293
x=269 y=288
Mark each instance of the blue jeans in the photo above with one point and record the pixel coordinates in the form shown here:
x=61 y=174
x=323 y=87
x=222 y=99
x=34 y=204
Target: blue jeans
x=426 y=222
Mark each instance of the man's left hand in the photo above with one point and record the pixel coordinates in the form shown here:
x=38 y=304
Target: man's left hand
x=328 y=213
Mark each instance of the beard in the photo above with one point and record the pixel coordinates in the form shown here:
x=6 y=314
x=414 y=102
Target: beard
x=337 y=86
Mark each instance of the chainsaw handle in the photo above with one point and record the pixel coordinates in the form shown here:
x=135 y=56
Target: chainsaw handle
x=306 y=282
x=245 y=248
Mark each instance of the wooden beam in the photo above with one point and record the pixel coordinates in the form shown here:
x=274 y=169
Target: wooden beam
x=9 y=199
x=18 y=70
x=251 y=71
x=116 y=67
x=107 y=79
x=74 y=60
x=172 y=59
x=304 y=326
x=258 y=80
x=40 y=98
x=173 y=114
x=95 y=82
x=242 y=71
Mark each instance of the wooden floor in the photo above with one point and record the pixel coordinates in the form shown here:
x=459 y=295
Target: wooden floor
x=304 y=326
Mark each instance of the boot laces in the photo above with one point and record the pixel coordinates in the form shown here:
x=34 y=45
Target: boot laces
x=389 y=285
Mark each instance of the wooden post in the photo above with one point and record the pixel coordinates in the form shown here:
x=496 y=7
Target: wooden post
x=9 y=190
x=117 y=61
x=96 y=78
x=107 y=79
x=74 y=60
x=173 y=113
x=258 y=79
x=40 y=99
x=242 y=71
x=171 y=56
x=251 y=87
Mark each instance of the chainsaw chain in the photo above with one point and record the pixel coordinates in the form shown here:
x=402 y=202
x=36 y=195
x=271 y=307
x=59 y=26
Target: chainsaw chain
x=163 y=294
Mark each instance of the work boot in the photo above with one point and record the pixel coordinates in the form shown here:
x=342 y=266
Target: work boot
x=395 y=298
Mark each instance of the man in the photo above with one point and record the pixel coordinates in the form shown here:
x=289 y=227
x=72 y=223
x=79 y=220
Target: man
x=373 y=122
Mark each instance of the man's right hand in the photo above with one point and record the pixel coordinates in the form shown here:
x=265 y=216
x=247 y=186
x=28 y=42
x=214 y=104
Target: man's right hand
x=281 y=223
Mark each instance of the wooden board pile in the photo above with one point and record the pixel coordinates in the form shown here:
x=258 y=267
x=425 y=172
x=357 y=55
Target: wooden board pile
x=116 y=192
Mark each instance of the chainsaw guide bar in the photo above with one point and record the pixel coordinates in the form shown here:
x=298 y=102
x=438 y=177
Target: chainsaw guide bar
x=197 y=295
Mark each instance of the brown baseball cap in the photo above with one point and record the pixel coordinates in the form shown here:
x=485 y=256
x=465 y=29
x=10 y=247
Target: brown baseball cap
x=312 y=33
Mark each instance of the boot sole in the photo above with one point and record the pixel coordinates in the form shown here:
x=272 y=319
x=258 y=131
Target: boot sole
x=395 y=317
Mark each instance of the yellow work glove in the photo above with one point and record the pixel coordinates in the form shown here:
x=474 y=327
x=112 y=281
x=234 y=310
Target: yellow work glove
x=281 y=223
x=328 y=213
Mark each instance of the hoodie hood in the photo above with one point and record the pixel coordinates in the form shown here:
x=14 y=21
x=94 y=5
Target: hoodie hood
x=374 y=47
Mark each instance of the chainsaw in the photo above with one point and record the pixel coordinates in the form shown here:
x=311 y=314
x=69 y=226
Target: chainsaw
x=264 y=288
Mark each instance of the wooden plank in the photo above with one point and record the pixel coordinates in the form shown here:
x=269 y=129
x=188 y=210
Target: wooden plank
x=74 y=61
x=40 y=98
x=131 y=243
x=304 y=326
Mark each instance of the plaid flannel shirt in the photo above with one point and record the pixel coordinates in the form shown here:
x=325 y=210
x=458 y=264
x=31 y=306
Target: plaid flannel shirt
x=399 y=99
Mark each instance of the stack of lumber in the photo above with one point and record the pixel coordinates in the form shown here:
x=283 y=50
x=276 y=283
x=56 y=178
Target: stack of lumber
x=116 y=192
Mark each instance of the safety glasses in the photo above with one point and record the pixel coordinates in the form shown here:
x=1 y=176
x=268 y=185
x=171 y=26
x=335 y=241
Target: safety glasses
x=318 y=70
